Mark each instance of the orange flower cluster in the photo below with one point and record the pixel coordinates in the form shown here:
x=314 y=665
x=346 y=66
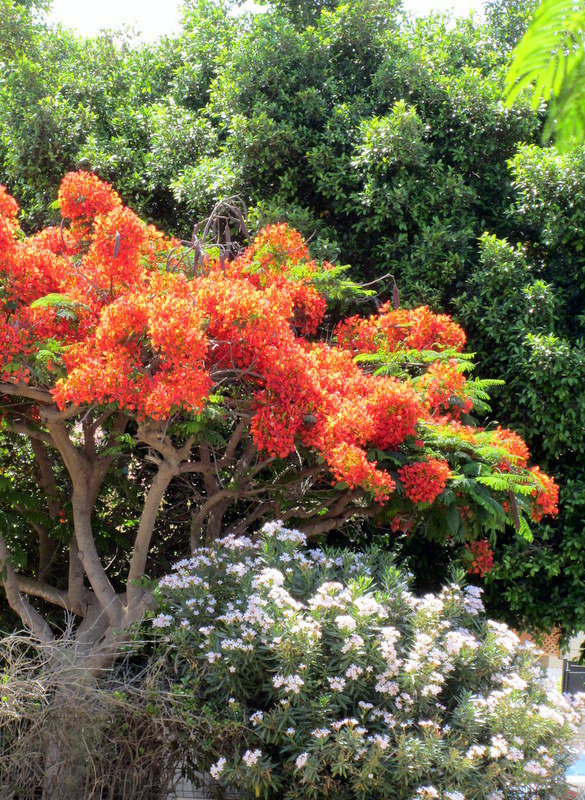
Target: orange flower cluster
x=8 y=221
x=279 y=258
x=59 y=241
x=349 y=464
x=277 y=249
x=517 y=452
x=546 y=497
x=84 y=196
x=14 y=344
x=146 y=354
x=392 y=329
x=424 y=481
x=443 y=385
x=483 y=557
x=157 y=343
x=109 y=264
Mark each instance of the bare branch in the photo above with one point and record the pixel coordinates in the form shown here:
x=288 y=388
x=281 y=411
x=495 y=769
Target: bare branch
x=249 y=519
x=99 y=421
x=29 y=615
x=150 y=510
x=32 y=433
x=76 y=590
x=236 y=437
x=192 y=466
x=324 y=525
x=47 y=476
x=44 y=591
x=155 y=437
x=87 y=477
x=22 y=389
x=206 y=509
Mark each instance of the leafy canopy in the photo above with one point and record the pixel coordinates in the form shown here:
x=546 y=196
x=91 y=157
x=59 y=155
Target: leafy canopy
x=110 y=314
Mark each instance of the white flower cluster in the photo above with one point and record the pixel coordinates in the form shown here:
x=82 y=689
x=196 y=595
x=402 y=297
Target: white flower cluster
x=162 y=621
x=317 y=670
x=457 y=640
x=505 y=637
x=216 y=769
x=330 y=595
x=345 y=623
x=251 y=757
x=472 y=600
x=268 y=577
x=290 y=683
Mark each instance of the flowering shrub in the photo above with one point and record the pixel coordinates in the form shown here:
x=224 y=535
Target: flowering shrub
x=314 y=673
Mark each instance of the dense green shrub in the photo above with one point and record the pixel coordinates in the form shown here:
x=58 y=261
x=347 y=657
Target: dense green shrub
x=522 y=307
x=386 y=139
x=309 y=673
x=291 y=105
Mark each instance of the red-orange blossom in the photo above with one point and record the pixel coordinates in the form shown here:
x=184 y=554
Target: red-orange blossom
x=141 y=334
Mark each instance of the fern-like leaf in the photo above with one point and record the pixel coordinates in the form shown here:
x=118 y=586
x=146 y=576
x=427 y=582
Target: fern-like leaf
x=549 y=62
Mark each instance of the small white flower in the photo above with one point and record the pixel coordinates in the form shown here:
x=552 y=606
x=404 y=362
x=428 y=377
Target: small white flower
x=353 y=672
x=251 y=757
x=216 y=769
x=475 y=751
x=345 y=623
x=427 y=791
x=514 y=754
x=514 y=681
x=499 y=746
x=534 y=768
x=382 y=741
x=431 y=604
x=162 y=621
x=291 y=683
x=301 y=760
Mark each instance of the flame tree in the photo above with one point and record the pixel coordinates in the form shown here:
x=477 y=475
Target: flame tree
x=212 y=380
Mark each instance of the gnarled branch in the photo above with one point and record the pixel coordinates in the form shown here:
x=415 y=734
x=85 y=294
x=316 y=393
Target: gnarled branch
x=27 y=613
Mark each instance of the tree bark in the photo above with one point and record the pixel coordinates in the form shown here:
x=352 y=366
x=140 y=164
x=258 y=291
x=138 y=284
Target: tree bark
x=65 y=776
x=141 y=549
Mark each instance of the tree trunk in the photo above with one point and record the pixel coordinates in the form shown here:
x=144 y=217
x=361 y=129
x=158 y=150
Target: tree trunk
x=87 y=755
x=73 y=728
x=66 y=768
x=75 y=716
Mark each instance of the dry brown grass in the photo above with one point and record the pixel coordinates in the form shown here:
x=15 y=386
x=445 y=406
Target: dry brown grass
x=117 y=737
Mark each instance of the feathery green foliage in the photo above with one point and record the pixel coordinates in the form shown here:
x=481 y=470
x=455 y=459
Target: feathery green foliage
x=549 y=61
